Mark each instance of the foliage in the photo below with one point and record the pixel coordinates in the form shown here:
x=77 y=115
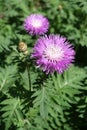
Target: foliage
x=50 y=102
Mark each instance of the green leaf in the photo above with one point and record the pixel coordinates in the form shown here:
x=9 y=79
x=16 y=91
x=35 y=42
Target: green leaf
x=4 y=44
x=9 y=109
x=7 y=77
x=42 y=101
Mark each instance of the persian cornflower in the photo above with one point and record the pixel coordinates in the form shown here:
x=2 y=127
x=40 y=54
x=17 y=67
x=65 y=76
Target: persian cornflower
x=53 y=53
x=36 y=24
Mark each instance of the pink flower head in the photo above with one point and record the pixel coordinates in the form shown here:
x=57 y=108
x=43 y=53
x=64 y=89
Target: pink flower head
x=53 y=53
x=36 y=24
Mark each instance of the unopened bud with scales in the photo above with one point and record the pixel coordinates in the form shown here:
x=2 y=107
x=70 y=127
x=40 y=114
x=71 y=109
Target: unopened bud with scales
x=23 y=48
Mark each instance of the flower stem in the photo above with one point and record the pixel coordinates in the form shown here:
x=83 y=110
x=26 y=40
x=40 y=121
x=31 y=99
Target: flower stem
x=59 y=81
x=29 y=77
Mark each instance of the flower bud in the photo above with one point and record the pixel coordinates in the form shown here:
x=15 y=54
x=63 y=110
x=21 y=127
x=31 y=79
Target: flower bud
x=22 y=47
x=60 y=7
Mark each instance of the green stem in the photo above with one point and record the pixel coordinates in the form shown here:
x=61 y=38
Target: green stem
x=65 y=77
x=28 y=70
x=59 y=82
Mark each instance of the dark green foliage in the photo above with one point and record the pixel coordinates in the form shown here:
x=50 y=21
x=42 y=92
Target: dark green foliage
x=50 y=102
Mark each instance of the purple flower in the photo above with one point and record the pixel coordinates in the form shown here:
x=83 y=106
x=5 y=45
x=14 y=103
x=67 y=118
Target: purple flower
x=36 y=24
x=53 y=53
